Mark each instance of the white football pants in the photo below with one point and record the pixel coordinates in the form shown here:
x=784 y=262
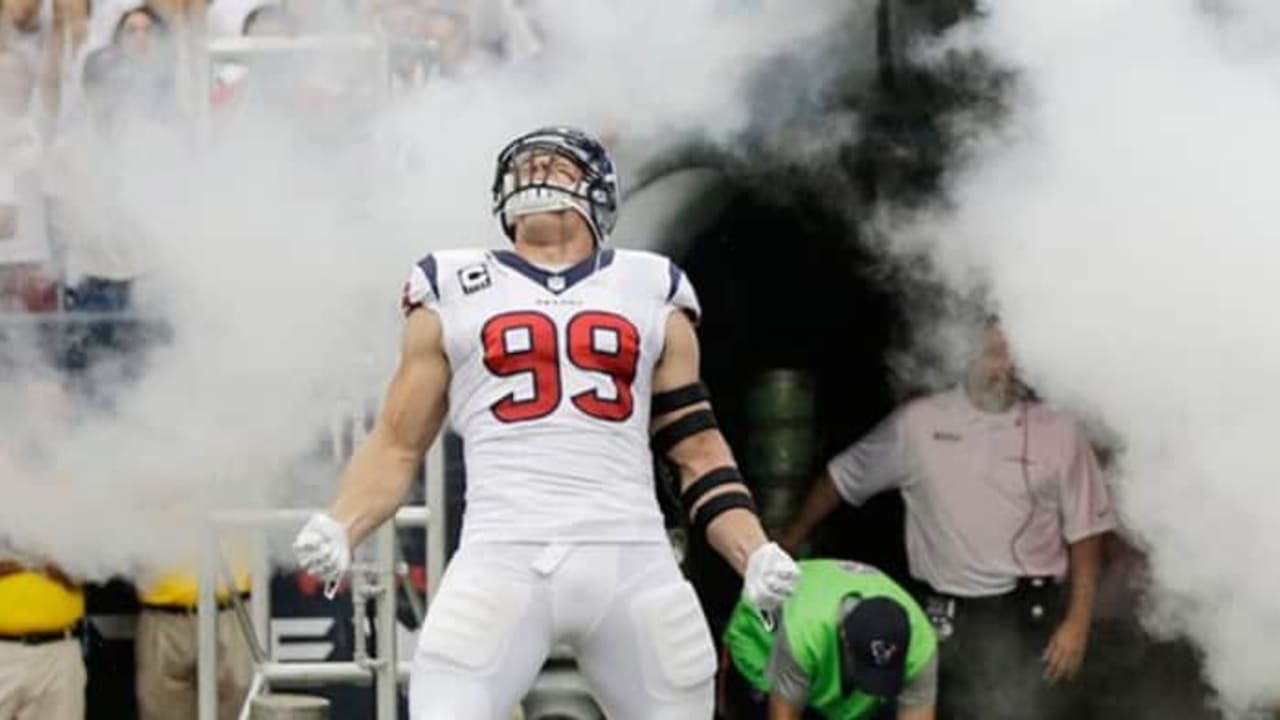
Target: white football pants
x=632 y=620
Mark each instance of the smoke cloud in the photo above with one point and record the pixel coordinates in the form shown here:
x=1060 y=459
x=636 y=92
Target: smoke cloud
x=1120 y=218
x=275 y=246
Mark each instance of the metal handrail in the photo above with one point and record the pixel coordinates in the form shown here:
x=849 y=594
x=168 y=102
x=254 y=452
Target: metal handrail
x=382 y=669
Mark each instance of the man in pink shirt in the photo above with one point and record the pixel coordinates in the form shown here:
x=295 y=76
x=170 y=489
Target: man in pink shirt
x=1005 y=512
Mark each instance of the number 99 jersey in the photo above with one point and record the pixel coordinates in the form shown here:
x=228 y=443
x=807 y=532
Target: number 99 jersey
x=550 y=388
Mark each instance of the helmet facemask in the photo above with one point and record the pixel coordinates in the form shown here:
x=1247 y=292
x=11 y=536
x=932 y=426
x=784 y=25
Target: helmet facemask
x=593 y=196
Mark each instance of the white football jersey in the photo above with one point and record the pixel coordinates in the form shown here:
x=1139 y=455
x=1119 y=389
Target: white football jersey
x=552 y=375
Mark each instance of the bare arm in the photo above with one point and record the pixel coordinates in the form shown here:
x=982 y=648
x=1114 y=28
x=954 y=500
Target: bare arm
x=1086 y=564
x=820 y=502
x=737 y=532
x=51 y=571
x=780 y=709
x=10 y=567
x=1066 y=650
x=1088 y=516
x=70 y=26
x=923 y=712
x=382 y=468
x=877 y=462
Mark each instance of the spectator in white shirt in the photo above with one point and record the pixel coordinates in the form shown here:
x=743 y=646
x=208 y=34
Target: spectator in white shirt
x=1005 y=512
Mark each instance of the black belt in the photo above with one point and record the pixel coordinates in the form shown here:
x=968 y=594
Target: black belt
x=40 y=638
x=1034 y=600
x=192 y=609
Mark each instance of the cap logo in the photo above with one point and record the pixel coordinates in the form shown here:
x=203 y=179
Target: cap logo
x=882 y=652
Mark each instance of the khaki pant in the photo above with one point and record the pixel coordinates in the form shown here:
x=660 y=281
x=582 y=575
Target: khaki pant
x=166 y=657
x=41 y=682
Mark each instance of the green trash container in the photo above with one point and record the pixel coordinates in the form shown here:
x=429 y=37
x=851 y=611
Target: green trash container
x=782 y=441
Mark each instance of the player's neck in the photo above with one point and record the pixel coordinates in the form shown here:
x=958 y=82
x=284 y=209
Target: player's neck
x=556 y=252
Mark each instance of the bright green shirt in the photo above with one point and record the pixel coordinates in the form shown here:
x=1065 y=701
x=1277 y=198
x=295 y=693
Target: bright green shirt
x=808 y=628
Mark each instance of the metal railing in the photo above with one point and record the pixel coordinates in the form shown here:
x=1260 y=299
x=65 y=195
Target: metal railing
x=371 y=581
x=375 y=580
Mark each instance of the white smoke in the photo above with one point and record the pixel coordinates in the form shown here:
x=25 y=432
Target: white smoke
x=276 y=256
x=1122 y=219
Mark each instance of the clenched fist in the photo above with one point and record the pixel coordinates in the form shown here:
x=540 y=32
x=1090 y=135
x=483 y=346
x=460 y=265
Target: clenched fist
x=322 y=549
x=771 y=576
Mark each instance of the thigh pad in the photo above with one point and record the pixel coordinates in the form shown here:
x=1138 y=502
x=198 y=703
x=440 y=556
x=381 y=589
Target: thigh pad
x=673 y=632
x=472 y=620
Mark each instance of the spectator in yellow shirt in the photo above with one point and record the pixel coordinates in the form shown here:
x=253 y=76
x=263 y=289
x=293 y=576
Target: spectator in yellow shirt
x=42 y=673
x=166 y=648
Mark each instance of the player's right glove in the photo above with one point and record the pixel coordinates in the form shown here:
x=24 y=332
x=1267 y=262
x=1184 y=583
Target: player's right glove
x=321 y=548
x=771 y=576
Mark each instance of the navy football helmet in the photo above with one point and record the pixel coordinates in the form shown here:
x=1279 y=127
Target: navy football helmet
x=595 y=197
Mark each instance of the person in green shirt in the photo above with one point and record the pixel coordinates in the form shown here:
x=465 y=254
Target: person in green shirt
x=850 y=643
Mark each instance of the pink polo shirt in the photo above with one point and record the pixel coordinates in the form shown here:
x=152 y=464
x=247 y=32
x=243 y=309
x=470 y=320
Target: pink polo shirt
x=975 y=520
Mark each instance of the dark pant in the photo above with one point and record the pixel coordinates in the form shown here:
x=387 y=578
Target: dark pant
x=1128 y=675
x=990 y=658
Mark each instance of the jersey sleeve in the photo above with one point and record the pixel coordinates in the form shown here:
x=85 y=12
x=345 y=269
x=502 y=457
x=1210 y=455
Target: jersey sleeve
x=921 y=689
x=680 y=293
x=787 y=678
x=1087 y=509
x=421 y=289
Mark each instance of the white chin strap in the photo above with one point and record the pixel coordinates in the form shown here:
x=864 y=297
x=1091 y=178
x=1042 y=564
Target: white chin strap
x=543 y=199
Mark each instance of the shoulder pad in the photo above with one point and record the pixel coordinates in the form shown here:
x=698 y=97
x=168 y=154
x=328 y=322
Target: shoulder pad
x=443 y=276
x=422 y=288
x=666 y=280
x=681 y=294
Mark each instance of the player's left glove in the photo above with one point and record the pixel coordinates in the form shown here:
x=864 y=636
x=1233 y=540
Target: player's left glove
x=322 y=549
x=771 y=576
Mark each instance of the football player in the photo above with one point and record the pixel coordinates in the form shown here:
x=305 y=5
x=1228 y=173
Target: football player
x=564 y=364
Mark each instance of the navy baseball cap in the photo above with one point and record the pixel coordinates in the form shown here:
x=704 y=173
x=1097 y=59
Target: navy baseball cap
x=874 y=636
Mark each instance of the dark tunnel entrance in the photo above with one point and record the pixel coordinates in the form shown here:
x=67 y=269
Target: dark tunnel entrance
x=794 y=337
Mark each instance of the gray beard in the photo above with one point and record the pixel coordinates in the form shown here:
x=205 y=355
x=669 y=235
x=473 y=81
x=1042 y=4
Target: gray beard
x=992 y=397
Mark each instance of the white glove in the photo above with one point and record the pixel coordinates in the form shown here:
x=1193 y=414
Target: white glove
x=321 y=548
x=771 y=576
